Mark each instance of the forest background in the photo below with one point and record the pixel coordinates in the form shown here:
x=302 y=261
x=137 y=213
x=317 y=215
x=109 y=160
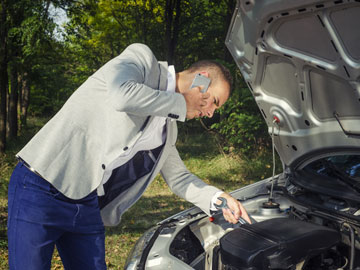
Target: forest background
x=42 y=62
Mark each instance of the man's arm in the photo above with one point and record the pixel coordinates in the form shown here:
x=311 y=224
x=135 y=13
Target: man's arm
x=191 y=188
x=128 y=78
x=185 y=184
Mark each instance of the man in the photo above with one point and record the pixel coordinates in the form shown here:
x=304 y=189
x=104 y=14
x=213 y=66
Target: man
x=97 y=155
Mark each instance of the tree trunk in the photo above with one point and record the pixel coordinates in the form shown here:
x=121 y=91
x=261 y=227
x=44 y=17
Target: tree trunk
x=168 y=19
x=175 y=33
x=3 y=75
x=172 y=28
x=13 y=102
x=3 y=103
x=24 y=99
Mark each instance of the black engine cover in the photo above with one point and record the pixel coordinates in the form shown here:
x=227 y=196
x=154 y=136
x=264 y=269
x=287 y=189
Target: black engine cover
x=275 y=244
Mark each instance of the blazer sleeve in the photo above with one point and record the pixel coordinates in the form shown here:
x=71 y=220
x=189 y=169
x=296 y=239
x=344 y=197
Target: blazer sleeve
x=185 y=184
x=128 y=77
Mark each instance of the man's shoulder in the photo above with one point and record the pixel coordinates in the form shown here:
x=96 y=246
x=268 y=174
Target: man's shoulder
x=138 y=54
x=139 y=46
x=139 y=49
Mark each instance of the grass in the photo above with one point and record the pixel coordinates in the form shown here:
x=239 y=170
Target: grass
x=202 y=155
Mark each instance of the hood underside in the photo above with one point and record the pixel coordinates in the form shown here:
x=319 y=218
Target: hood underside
x=301 y=61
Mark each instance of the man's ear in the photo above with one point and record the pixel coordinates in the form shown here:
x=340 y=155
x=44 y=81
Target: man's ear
x=205 y=73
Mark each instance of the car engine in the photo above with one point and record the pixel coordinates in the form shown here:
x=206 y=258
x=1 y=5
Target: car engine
x=277 y=244
x=286 y=236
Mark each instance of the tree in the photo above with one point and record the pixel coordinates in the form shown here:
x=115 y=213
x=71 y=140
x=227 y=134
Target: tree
x=3 y=73
x=46 y=71
x=173 y=8
x=13 y=101
x=26 y=31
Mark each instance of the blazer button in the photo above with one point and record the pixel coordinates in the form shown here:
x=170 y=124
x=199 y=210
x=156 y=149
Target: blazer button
x=126 y=148
x=173 y=115
x=103 y=166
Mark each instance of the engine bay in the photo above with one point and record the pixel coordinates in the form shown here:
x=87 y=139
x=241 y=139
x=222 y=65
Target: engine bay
x=290 y=236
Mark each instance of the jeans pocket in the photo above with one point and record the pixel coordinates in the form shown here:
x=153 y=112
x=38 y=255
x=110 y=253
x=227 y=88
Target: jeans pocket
x=37 y=184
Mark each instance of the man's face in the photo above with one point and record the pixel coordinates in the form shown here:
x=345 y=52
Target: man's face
x=219 y=91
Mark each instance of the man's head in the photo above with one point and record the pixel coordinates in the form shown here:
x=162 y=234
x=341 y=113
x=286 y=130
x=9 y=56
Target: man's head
x=219 y=88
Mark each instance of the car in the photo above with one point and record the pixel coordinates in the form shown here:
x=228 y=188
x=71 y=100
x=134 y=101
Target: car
x=301 y=61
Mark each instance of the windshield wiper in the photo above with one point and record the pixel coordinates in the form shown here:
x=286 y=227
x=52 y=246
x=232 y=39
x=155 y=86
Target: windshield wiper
x=340 y=175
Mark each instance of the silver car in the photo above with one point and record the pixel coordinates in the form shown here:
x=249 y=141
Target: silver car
x=301 y=61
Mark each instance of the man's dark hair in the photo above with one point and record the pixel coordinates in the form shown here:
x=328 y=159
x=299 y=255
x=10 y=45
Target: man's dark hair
x=219 y=70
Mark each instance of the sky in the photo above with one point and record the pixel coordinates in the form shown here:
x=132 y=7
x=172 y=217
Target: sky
x=60 y=18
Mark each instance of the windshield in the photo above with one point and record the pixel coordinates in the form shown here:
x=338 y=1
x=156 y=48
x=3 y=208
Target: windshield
x=334 y=176
x=348 y=165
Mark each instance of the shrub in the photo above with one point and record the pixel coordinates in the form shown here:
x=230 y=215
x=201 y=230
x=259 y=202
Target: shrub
x=242 y=124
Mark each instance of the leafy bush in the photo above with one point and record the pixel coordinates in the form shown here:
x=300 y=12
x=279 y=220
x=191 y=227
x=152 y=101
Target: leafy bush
x=242 y=124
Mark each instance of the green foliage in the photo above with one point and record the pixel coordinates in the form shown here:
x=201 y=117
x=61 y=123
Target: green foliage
x=202 y=33
x=100 y=30
x=242 y=125
x=52 y=80
x=97 y=31
x=38 y=58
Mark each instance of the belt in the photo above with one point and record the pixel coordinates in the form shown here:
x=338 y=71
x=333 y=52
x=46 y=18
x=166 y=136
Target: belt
x=23 y=162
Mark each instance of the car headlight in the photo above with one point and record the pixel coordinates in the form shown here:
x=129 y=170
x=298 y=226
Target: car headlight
x=135 y=254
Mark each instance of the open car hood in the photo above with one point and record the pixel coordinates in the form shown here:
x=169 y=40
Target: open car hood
x=301 y=61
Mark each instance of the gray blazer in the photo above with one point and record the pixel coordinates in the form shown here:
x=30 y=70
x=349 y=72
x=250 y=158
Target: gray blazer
x=104 y=117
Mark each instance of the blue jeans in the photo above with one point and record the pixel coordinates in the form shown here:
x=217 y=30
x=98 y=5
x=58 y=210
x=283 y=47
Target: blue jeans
x=40 y=217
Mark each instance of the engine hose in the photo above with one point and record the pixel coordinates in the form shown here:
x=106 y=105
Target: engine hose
x=352 y=238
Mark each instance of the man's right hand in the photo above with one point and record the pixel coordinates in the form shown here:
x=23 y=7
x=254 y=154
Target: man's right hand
x=195 y=102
